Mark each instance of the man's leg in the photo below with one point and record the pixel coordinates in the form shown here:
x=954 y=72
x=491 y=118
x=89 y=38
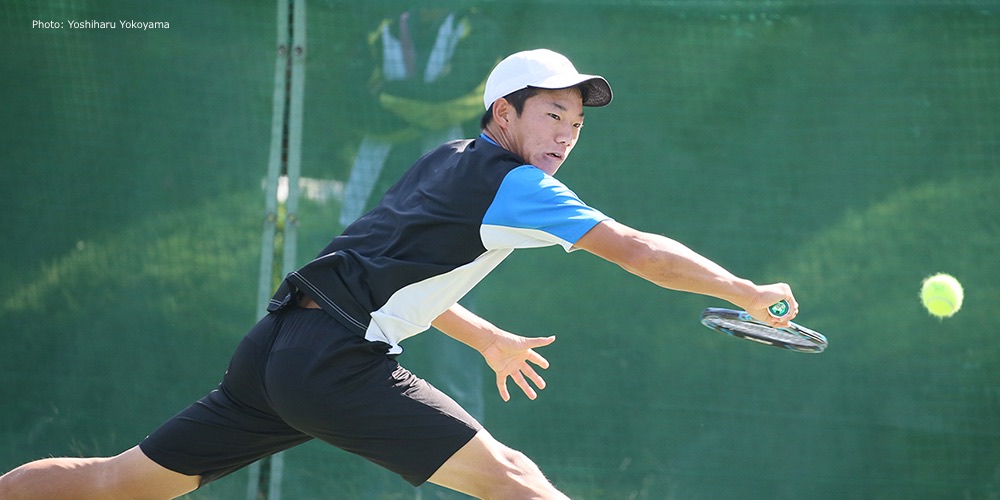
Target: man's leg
x=486 y=468
x=129 y=475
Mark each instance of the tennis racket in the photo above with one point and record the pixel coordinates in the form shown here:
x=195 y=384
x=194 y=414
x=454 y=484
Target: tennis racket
x=740 y=324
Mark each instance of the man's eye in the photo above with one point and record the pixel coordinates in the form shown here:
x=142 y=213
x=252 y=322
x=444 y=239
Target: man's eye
x=554 y=116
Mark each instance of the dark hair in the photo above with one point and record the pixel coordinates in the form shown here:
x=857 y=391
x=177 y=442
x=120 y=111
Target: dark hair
x=516 y=99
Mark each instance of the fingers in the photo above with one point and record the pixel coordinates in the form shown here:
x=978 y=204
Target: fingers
x=521 y=379
x=780 y=322
x=534 y=376
x=502 y=387
x=537 y=359
x=793 y=306
x=521 y=376
x=514 y=362
x=540 y=341
x=783 y=321
x=524 y=385
x=772 y=294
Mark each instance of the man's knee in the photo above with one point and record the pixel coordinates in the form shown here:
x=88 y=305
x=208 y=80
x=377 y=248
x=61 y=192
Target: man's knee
x=11 y=485
x=515 y=470
x=129 y=475
x=53 y=478
x=488 y=469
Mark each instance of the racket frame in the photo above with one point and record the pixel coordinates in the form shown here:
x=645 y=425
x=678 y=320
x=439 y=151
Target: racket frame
x=816 y=341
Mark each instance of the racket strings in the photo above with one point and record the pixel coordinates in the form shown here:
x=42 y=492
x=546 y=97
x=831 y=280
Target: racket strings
x=742 y=325
x=762 y=331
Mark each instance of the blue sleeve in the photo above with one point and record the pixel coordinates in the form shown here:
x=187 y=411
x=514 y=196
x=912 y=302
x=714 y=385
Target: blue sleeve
x=533 y=209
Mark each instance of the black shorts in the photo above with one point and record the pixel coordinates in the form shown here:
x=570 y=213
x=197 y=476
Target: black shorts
x=298 y=375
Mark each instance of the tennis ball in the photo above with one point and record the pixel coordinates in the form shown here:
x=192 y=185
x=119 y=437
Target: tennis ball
x=942 y=295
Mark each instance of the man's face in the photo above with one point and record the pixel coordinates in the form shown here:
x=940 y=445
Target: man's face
x=548 y=128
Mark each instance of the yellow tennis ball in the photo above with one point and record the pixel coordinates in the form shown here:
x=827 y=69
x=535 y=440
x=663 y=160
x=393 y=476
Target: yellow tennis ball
x=942 y=295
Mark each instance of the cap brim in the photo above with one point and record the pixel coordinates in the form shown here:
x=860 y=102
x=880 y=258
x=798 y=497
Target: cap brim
x=595 y=89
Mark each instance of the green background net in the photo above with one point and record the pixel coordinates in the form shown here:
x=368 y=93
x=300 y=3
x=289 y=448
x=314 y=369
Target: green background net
x=847 y=148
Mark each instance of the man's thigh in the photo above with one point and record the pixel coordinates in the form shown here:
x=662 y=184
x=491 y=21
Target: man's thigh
x=361 y=400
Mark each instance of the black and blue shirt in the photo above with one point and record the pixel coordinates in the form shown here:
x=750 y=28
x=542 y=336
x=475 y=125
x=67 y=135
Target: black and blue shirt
x=457 y=213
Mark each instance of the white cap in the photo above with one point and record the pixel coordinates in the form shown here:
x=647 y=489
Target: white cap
x=545 y=69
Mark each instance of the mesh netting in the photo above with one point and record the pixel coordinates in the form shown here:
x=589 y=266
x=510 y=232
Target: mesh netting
x=847 y=148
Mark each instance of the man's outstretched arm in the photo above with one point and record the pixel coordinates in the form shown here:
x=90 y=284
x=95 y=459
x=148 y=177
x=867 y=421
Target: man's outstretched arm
x=670 y=264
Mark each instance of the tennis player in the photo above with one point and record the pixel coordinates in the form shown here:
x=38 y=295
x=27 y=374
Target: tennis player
x=323 y=363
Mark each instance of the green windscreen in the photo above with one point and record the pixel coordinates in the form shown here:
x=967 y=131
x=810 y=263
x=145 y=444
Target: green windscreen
x=847 y=148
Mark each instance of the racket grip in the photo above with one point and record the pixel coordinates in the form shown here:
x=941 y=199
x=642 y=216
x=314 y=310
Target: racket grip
x=778 y=309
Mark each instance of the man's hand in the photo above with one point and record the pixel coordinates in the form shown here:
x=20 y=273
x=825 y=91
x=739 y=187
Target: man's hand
x=772 y=294
x=508 y=355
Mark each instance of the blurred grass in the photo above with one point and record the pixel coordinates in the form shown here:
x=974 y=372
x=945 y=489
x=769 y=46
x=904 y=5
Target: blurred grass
x=130 y=328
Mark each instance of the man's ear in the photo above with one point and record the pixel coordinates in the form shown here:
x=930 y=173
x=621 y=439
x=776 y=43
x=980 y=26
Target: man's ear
x=501 y=112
